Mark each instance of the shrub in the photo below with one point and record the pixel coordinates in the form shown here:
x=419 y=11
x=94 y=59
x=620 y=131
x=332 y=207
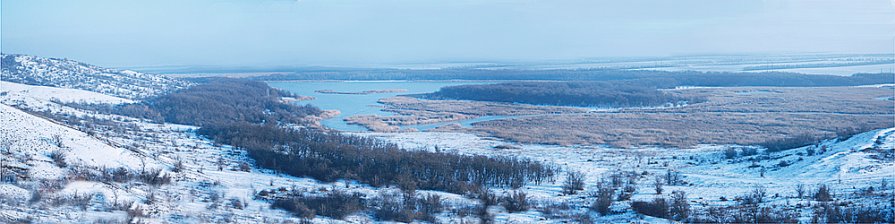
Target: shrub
x=574 y=182
x=178 y=165
x=391 y=207
x=429 y=206
x=782 y=163
x=730 y=153
x=823 y=193
x=335 y=204
x=516 y=202
x=603 y=197
x=155 y=177
x=800 y=190
x=809 y=151
x=791 y=142
x=756 y=196
x=680 y=207
x=58 y=158
x=657 y=208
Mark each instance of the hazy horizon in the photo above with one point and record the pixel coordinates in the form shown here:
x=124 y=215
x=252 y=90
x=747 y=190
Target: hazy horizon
x=351 y=33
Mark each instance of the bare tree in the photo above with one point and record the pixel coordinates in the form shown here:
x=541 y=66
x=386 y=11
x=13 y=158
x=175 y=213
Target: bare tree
x=800 y=190
x=823 y=193
x=658 y=184
x=730 y=153
x=574 y=182
x=604 y=198
x=680 y=207
x=56 y=139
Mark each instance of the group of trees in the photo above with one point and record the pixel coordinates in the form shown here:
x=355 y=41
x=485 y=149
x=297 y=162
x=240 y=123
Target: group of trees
x=335 y=204
x=625 y=93
x=329 y=156
x=678 y=208
x=229 y=100
x=249 y=115
x=679 y=78
x=217 y=101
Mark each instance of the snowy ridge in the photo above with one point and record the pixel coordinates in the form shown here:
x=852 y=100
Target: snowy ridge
x=66 y=73
x=22 y=92
x=34 y=137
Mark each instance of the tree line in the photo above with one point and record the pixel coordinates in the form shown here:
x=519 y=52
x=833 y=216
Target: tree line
x=682 y=78
x=329 y=156
x=249 y=115
x=587 y=94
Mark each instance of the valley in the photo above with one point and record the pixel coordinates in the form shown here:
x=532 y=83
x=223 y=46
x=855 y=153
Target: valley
x=236 y=151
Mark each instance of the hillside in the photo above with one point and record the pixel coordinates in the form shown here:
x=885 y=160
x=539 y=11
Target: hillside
x=54 y=72
x=249 y=162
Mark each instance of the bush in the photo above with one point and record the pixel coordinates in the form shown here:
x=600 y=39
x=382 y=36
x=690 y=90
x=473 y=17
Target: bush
x=680 y=207
x=393 y=207
x=800 y=190
x=155 y=177
x=809 y=151
x=429 y=206
x=730 y=153
x=756 y=196
x=603 y=197
x=178 y=165
x=58 y=158
x=574 y=182
x=335 y=204
x=487 y=197
x=823 y=193
x=516 y=202
x=791 y=142
x=782 y=163
x=831 y=213
x=657 y=208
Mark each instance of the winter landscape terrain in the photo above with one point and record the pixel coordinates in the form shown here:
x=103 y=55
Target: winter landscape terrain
x=85 y=144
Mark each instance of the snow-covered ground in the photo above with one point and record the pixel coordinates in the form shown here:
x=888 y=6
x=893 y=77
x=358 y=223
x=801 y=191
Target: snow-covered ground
x=65 y=165
x=847 y=166
x=16 y=91
x=72 y=74
x=209 y=169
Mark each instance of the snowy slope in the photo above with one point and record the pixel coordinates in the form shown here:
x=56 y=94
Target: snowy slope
x=16 y=91
x=34 y=137
x=66 y=73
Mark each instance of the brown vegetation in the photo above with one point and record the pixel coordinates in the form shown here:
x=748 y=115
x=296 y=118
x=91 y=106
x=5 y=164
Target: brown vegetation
x=412 y=111
x=747 y=116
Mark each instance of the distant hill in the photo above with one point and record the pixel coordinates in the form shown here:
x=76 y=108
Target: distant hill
x=65 y=73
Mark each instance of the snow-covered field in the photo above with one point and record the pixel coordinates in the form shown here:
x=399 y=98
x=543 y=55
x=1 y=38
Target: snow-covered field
x=72 y=74
x=847 y=166
x=65 y=165
x=212 y=186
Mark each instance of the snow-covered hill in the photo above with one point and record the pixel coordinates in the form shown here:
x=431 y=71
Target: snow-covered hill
x=33 y=70
x=22 y=92
x=36 y=139
x=62 y=164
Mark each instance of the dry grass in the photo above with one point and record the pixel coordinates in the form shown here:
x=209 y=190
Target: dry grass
x=670 y=129
x=418 y=111
x=408 y=105
x=731 y=116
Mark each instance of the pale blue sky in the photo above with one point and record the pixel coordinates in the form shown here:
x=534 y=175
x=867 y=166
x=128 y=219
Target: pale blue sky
x=369 y=32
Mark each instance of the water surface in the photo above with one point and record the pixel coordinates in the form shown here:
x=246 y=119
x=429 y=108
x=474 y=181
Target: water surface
x=357 y=104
